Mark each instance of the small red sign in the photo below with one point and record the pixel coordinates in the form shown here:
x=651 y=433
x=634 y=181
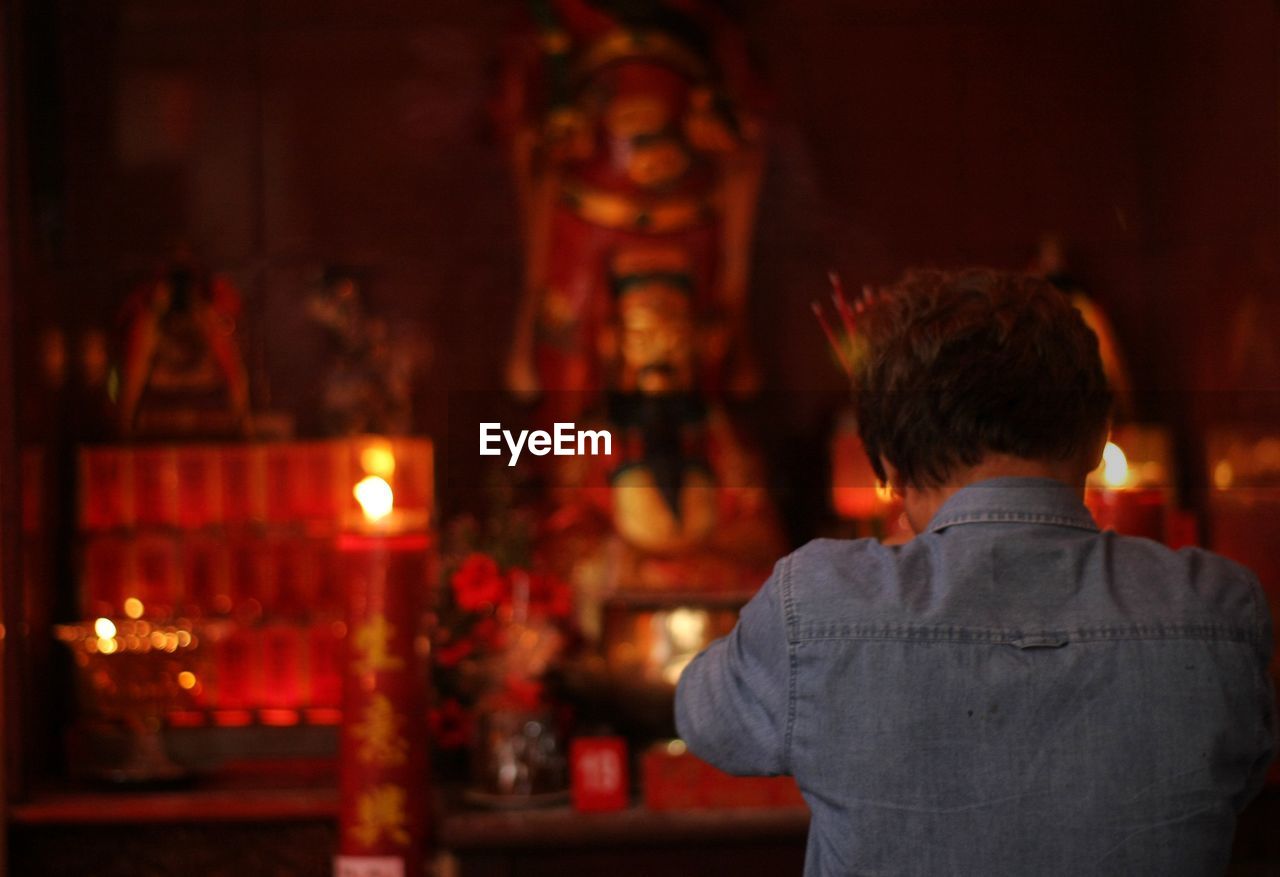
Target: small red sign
x=600 y=773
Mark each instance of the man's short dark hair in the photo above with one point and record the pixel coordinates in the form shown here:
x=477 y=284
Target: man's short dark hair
x=952 y=366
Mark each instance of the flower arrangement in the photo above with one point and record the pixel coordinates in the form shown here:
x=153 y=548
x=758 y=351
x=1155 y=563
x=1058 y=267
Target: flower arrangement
x=500 y=625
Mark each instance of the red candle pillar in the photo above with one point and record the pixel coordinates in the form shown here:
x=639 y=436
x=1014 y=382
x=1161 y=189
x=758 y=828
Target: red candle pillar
x=1118 y=502
x=383 y=821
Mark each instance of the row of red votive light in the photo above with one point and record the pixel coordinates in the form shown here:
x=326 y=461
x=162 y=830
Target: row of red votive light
x=271 y=575
x=277 y=673
x=204 y=485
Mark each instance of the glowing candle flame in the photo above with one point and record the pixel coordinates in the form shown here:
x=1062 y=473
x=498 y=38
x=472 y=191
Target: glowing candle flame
x=687 y=628
x=105 y=628
x=1115 y=466
x=378 y=460
x=1223 y=474
x=375 y=498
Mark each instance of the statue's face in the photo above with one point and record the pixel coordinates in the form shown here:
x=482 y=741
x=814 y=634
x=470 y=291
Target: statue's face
x=656 y=346
x=651 y=154
x=656 y=161
x=635 y=115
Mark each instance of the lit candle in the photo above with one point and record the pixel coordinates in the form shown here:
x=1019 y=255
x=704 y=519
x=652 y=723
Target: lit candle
x=1119 y=503
x=383 y=758
x=856 y=493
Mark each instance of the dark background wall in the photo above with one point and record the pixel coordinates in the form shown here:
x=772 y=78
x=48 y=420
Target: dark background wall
x=277 y=136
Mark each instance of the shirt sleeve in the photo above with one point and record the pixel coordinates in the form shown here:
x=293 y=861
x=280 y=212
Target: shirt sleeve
x=733 y=701
x=1267 y=697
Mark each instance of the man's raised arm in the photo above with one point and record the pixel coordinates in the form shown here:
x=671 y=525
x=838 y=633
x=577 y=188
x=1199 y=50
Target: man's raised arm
x=733 y=701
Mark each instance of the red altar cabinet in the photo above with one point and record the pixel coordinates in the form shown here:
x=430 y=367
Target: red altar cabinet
x=249 y=570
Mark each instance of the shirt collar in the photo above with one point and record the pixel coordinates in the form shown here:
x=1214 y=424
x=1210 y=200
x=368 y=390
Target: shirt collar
x=1023 y=500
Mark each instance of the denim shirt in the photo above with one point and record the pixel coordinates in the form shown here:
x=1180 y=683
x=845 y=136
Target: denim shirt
x=1011 y=692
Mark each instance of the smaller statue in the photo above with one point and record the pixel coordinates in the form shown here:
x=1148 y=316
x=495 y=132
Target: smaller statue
x=369 y=386
x=182 y=361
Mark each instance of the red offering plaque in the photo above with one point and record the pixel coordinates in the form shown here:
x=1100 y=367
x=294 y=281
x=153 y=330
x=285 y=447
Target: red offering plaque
x=243 y=484
x=205 y=574
x=199 y=491
x=324 y=664
x=283 y=479
x=106 y=488
x=282 y=666
x=600 y=773
x=108 y=571
x=234 y=664
x=319 y=496
x=157 y=575
x=155 y=486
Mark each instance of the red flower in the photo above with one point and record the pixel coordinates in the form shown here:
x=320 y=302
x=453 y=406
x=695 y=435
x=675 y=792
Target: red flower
x=521 y=693
x=450 y=653
x=488 y=634
x=450 y=725
x=477 y=584
x=550 y=595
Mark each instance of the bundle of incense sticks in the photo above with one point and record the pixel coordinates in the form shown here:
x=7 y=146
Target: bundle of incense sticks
x=841 y=341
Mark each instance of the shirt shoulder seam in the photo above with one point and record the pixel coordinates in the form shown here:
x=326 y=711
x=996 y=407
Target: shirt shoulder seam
x=963 y=634
x=788 y=609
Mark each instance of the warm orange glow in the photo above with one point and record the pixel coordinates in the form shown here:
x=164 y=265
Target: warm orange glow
x=104 y=628
x=324 y=716
x=232 y=718
x=687 y=627
x=133 y=607
x=375 y=498
x=1224 y=475
x=377 y=459
x=108 y=645
x=186 y=718
x=187 y=679
x=278 y=717
x=1115 y=466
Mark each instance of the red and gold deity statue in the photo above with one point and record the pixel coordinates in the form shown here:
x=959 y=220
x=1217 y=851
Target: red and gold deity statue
x=680 y=507
x=627 y=129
